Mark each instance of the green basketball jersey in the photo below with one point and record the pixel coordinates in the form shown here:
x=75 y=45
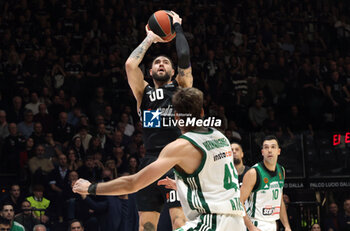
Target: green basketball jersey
x=213 y=188
x=264 y=202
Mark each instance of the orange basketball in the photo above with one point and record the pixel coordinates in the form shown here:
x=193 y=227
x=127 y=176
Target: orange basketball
x=162 y=25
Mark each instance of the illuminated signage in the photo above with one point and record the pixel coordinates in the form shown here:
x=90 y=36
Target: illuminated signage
x=337 y=138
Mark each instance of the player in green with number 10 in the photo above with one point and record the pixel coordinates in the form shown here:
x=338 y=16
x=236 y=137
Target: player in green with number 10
x=263 y=184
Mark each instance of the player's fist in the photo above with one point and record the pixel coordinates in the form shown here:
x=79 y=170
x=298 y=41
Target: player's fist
x=81 y=186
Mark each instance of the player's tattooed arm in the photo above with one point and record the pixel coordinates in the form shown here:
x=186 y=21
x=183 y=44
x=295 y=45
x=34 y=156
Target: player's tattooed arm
x=184 y=77
x=140 y=51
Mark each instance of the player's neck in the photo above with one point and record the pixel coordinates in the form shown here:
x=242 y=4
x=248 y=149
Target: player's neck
x=158 y=84
x=240 y=168
x=271 y=167
x=194 y=129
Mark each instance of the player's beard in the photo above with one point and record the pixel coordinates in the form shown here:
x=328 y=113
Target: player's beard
x=236 y=161
x=165 y=78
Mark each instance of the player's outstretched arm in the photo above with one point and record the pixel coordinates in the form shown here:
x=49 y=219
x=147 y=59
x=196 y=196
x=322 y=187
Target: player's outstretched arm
x=133 y=72
x=248 y=183
x=184 y=77
x=129 y=184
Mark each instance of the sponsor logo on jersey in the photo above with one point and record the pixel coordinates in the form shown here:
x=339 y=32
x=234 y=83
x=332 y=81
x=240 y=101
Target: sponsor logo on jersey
x=266 y=180
x=270 y=210
x=222 y=155
x=280 y=175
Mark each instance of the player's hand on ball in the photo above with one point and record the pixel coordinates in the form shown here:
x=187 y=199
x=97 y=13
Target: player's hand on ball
x=154 y=38
x=176 y=17
x=81 y=186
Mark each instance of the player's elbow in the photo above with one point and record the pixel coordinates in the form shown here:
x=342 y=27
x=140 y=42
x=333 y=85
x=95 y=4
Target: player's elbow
x=130 y=64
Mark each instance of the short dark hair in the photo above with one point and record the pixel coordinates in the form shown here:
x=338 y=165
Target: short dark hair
x=4 y=221
x=269 y=137
x=237 y=144
x=6 y=202
x=73 y=221
x=166 y=56
x=188 y=101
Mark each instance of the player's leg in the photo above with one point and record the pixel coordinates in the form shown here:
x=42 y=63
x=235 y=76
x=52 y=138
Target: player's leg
x=177 y=217
x=149 y=202
x=148 y=221
x=265 y=225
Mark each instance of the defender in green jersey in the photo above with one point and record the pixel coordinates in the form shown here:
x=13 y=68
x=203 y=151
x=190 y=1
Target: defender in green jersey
x=263 y=187
x=206 y=179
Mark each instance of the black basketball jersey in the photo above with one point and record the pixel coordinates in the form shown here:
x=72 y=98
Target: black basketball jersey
x=155 y=139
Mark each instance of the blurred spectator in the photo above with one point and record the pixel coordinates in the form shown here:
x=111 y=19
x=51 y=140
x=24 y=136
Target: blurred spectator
x=78 y=148
x=85 y=137
x=272 y=125
x=14 y=197
x=74 y=116
x=257 y=115
x=39 y=166
x=26 y=217
x=38 y=135
x=44 y=118
x=117 y=142
x=58 y=181
x=110 y=164
x=70 y=198
x=94 y=146
x=297 y=123
x=5 y=224
x=56 y=107
x=34 y=103
x=25 y=154
x=40 y=203
x=16 y=112
x=132 y=165
x=97 y=105
x=110 y=121
x=129 y=129
x=73 y=161
x=26 y=127
x=76 y=225
x=120 y=159
x=135 y=143
x=4 y=132
x=11 y=149
x=89 y=171
x=339 y=98
x=63 y=131
x=8 y=213
x=39 y=227
x=52 y=148
x=332 y=221
x=102 y=135
x=345 y=222
x=315 y=227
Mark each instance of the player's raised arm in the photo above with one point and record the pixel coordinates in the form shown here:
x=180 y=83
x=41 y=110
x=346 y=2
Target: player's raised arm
x=184 y=77
x=133 y=72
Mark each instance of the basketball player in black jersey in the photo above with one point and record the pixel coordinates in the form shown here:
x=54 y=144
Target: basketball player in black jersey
x=151 y=199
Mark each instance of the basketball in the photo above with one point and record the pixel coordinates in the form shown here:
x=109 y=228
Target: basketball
x=162 y=25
